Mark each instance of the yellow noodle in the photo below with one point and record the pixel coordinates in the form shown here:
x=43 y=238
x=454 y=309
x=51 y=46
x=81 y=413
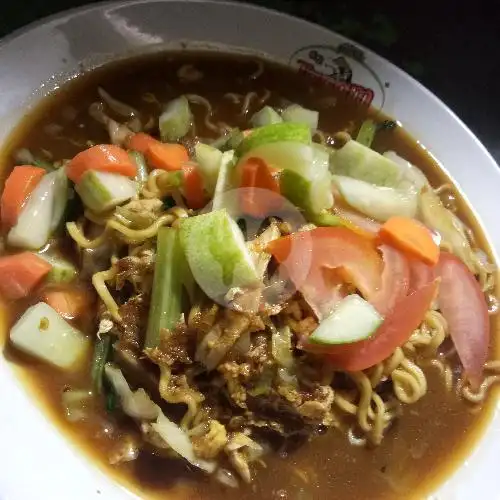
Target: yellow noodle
x=76 y=233
x=99 y=282
x=140 y=235
x=409 y=382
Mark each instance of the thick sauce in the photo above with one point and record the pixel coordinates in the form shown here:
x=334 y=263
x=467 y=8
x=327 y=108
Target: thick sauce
x=430 y=439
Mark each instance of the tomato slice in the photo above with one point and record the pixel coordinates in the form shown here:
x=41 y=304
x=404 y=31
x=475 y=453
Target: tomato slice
x=395 y=280
x=464 y=307
x=354 y=257
x=393 y=333
x=255 y=173
x=420 y=274
x=193 y=187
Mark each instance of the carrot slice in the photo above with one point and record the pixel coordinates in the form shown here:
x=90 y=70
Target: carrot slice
x=256 y=178
x=193 y=187
x=18 y=187
x=167 y=156
x=70 y=303
x=140 y=142
x=104 y=157
x=412 y=237
x=21 y=273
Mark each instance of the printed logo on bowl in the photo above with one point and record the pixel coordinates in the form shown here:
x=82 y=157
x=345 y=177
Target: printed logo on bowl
x=344 y=68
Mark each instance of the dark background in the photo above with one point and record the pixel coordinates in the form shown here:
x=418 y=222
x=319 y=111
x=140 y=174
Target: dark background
x=451 y=46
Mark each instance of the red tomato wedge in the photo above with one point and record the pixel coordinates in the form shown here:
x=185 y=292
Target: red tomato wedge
x=21 y=182
x=255 y=177
x=420 y=274
x=104 y=157
x=464 y=307
x=393 y=333
x=334 y=248
x=193 y=187
x=21 y=273
x=395 y=280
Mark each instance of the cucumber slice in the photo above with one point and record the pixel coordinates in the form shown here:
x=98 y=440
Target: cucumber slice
x=353 y=320
x=367 y=133
x=217 y=254
x=209 y=161
x=278 y=132
x=266 y=116
x=358 y=161
x=42 y=333
x=176 y=120
x=101 y=191
x=377 y=202
x=312 y=196
x=142 y=168
x=63 y=271
x=35 y=223
x=61 y=194
x=224 y=180
x=297 y=114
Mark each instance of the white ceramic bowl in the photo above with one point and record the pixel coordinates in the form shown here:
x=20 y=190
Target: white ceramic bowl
x=37 y=462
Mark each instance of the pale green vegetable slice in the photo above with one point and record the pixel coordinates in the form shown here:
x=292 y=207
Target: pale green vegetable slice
x=298 y=114
x=377 y=202
x=265 y=116
x=61 y=188
x=209 y=161
x=224 y=180
x=176 y=120
x=63 y=271
x=357 y=161
x=352 y=320
x=410 y=174
x=277 y=132
x=367 y=132
x=102 y=191
x=216 y=252
x=142 y=168
x=313 y=196
x=42 y=333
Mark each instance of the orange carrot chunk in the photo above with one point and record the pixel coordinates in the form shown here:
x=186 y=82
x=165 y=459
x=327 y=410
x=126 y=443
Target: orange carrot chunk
x=166 y=156
x=21 y=182
x=412 y=237
x=70 y=303
x=104 y=157
x=193 y=187
x=140 y=142
x=20 y=274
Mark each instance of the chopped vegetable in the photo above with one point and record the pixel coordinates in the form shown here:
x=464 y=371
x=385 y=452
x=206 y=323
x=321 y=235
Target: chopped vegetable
x=438 y=218
x=165 y=309
x=265 y=116
x=464 y=307
x=224 y=180
x=209 y=161
x=297 y=114
x=281 y=346
x=20 y=274
x=62 y=271
x=256 y=181
x=102 y=350
x=420 y=274
x=193 y=187
x=329 y=247
x=378 y=202
x=18 y=187
x=217 y=254
x=179 y=441
x=176 y=120
x=42 y=333
x=104 y=158
x=395 y=280
x=142 y=168
x=362 y=163
x=357 y=222
x=352 y=320
x=167 y=156
x=410 y=174
x=393 y=333
x=313 y=196
x=102 y=191
x=61 y=195
x=135 y=404
x=140 y=142
x=277 y=132
x=412 y=237
x=36 y=219
x=70 y=303
x=367 y=133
